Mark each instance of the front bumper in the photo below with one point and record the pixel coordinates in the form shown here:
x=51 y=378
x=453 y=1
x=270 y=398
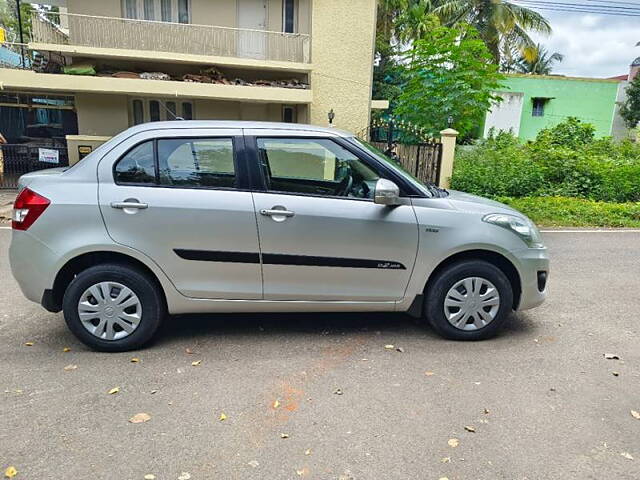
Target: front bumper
x=533 y=267
x=31 y=263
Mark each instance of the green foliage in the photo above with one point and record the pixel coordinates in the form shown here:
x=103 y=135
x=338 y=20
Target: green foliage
x=576 y=212
x=630 y=108
x=9 y=19
x=449 y=74
x=564 y=160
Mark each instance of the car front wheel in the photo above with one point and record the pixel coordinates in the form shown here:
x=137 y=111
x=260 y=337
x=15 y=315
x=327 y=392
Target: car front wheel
x=469 y=300
x=113 y=308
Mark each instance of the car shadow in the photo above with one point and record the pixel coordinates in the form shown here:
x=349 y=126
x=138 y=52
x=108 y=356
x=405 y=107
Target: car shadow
x=249 y=324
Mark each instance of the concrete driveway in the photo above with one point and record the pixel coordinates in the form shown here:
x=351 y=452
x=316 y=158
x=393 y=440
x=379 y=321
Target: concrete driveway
x=542 y=399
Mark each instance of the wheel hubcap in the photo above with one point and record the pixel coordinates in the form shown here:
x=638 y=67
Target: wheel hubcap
x=472 y=303
x=109 y=310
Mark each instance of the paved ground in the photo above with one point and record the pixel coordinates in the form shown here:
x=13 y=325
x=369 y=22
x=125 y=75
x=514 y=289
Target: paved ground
x=555 y=409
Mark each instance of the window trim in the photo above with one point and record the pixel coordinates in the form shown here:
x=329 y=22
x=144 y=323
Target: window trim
x=259 y=181
x=238 y=154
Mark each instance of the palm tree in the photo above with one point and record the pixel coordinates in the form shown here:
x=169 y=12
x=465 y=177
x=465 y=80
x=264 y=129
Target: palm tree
x=541 y=63
x=495 y=20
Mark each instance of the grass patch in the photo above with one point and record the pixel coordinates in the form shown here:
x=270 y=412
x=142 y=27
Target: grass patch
x=576 y=212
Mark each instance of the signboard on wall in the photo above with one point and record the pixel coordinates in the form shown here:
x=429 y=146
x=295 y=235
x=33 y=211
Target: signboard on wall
x=84 y=150
x=48 y=155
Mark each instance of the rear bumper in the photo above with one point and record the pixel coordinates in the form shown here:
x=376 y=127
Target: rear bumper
x=533 y=267
x=31 y=265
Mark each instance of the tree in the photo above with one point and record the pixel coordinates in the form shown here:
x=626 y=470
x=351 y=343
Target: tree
x=496 y=21
x=541 y=64
x=9 y=19
x=450 y=74
x=630 y=108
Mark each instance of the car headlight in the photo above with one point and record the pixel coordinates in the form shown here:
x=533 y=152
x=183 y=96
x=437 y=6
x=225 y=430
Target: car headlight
x=523 y=228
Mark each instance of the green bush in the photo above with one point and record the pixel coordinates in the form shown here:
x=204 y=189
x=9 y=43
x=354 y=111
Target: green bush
x=565 y=160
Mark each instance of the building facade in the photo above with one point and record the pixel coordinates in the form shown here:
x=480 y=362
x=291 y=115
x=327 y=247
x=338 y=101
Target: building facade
x=117 y=63
x=531 y=103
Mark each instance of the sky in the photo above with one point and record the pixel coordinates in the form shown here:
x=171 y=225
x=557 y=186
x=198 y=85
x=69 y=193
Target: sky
x=593 y=45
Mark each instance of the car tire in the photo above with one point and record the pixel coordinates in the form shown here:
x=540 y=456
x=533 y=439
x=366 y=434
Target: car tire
x=450 y=286
x=142 y=301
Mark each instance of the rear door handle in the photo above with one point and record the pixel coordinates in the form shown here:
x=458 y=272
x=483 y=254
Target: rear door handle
x=123 y=205
x=276 y=213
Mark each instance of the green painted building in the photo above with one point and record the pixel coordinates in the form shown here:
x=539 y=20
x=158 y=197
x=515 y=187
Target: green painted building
x=533 y=102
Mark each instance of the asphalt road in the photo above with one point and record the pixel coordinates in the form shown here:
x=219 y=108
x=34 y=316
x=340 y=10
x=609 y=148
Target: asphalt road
x=555 y=408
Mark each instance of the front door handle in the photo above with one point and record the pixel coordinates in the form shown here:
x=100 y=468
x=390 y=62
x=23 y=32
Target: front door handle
x=127 y=205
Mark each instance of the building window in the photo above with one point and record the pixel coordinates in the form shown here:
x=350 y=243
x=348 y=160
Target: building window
x=166 y=11
x=289 y=16
x=154 y=110
x=183 y=11
x=289 y=114
x=187 y=111
x=130 y=8
x=138 y=112
x=538 y=107
x=157 y=10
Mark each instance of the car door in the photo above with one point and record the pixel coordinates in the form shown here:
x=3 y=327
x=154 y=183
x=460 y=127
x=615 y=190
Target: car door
x=321 y=235
x=178 y=197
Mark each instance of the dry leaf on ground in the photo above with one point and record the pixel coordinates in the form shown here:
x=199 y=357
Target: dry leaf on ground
x=307 y=451
x=469 y=428
x=389 y=347
x=134 y=360
x=453 y=442
x=114 y=390
x=486 y=411
x=429 y=374
x=28 y=344
x=276 y=404
x=284 y=435
x=149 y=476
x=184 y=476
x=627 y=455
x=140 y=418
x=66 y=349
x=253 y=463
x=70 y=367
x=196 y=363
x=635 y=414
x=223 y=417
x=10 y=472
x=611 y=356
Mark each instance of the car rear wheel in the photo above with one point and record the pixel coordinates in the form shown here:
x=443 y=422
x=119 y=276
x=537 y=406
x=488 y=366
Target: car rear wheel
x=113 y=308
x=469 y=300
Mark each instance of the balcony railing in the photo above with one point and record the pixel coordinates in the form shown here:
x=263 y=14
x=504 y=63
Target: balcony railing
x=130 y=34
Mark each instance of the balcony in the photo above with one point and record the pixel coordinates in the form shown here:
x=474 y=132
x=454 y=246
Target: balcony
x=184 y=40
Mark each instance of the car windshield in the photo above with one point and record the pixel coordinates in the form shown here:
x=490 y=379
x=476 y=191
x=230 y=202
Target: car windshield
x=428 y=187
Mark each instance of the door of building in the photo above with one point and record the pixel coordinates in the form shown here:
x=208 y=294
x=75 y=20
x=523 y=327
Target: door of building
x=252 y=17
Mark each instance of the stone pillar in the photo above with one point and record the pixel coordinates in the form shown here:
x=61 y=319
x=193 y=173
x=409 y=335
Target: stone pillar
x=448 y=140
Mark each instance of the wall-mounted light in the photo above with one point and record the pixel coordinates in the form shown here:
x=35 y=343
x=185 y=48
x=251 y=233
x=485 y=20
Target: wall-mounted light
x=331 y=115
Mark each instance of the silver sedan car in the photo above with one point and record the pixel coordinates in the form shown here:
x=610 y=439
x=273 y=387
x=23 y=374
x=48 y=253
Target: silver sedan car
x=203 y=216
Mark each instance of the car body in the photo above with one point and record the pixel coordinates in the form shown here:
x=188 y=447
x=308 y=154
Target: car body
x=264 y=217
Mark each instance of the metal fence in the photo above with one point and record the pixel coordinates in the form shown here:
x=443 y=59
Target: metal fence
x=133 y=34
x=422 y=157
x=18 y=159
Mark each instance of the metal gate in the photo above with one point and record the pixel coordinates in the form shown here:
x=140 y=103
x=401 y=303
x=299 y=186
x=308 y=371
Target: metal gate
x=18 y=159
x=405 y=144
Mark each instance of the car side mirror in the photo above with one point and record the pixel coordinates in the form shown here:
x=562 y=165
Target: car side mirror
x=386 y=193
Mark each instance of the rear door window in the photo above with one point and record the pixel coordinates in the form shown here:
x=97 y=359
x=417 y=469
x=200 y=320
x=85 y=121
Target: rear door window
x=197 y=162
x=137 y=166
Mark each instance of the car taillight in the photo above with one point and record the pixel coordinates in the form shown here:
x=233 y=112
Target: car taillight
x=27 y=208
